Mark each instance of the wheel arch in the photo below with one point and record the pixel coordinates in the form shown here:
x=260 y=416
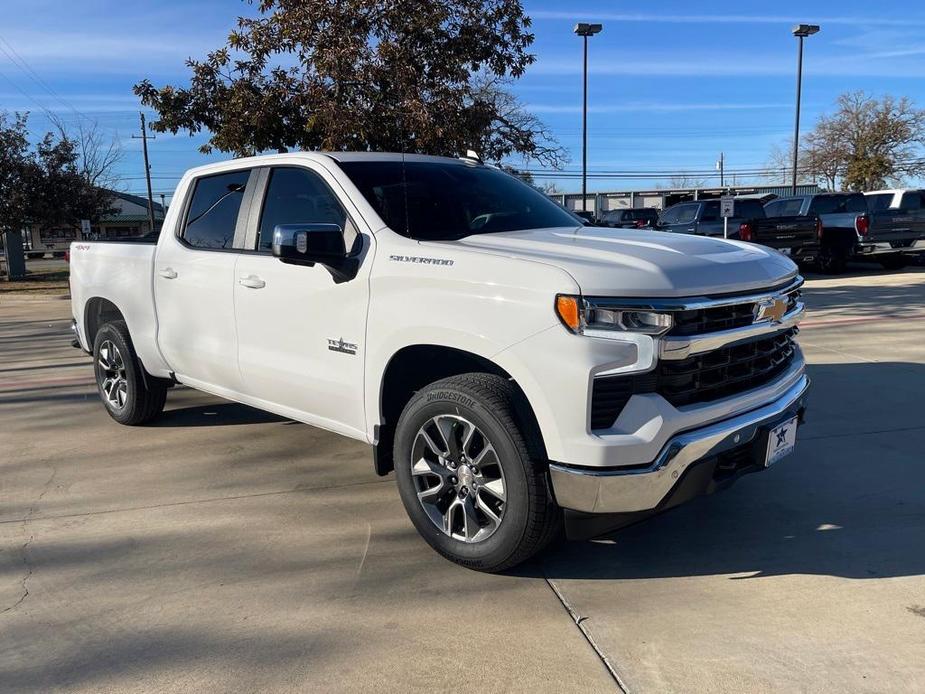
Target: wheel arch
x=414 y=366
x=97 y=312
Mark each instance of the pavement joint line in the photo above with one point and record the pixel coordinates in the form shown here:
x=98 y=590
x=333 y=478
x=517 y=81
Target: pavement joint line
x=190 y=502
x=585 y=632
x=810 y=324
x=859 y=433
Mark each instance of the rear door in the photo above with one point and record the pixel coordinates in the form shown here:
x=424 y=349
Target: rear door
x=301 y=334
x=194 y=283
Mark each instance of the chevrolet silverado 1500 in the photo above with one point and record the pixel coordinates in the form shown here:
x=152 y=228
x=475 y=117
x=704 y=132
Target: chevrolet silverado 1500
x=518 y=372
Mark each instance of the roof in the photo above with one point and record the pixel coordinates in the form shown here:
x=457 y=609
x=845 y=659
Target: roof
x=137 y=200
x=392 y=156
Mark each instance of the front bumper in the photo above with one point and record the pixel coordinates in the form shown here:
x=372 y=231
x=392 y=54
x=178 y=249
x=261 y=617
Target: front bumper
x=648 y=487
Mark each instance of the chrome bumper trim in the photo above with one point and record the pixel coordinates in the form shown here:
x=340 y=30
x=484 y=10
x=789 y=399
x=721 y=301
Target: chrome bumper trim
x=642 y=489
x=684 y=347
x=866 y=249
x=697 y=303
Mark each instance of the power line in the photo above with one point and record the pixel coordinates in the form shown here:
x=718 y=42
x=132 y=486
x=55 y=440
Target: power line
x=21 y=63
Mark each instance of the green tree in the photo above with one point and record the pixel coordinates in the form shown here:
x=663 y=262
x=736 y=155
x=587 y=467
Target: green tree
x=408 y=75
x=867 y=142
x=42 y=185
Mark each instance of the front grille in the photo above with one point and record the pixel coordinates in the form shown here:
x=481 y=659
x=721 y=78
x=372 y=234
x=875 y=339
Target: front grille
x=726 y=371
x=699 y=379
x=715 y=318
x=710 y=320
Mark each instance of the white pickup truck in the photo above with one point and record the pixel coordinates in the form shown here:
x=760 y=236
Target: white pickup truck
x=519 y=372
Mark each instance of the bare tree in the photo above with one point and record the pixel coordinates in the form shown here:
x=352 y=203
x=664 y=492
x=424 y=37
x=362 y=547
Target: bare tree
x=97 y=154
x=511 y=128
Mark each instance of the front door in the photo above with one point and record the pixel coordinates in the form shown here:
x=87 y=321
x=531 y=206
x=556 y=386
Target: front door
x=301 y=334
x=194 y=284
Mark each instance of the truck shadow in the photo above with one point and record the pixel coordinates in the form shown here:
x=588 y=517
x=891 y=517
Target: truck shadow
x=850 y=502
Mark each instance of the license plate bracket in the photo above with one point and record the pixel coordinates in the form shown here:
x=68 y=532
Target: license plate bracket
x=781 y=441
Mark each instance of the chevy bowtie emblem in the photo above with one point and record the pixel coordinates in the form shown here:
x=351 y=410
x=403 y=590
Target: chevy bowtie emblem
x=772 y=309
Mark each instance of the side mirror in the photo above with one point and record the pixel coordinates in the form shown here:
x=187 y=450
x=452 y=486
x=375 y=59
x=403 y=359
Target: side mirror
x=307 y=244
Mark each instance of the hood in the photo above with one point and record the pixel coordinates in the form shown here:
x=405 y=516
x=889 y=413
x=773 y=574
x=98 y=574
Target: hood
x=641 y=263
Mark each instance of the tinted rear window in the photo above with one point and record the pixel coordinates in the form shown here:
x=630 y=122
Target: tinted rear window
x=749 y=209
x=437 y=200
x=879 y=201
x=213 y=210
x=836 y=204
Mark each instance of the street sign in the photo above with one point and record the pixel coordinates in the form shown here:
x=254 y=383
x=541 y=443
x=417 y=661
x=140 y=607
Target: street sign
x=726 y=209
x=85 y=228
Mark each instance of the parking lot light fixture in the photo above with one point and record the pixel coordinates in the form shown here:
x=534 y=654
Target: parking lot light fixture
x=801 y=31
x=585 y=30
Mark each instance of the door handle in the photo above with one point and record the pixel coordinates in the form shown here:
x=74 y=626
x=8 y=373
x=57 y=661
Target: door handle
x=168 y=273
x=252 y=282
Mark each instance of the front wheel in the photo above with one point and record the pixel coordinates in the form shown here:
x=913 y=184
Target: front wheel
x=471 y=475
x=131 y=396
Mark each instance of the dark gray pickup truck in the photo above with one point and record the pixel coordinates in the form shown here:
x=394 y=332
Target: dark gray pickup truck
x=795 y=236
x=859 y=227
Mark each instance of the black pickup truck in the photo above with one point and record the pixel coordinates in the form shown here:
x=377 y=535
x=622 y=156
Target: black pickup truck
x=795 y=236
x=853 y=227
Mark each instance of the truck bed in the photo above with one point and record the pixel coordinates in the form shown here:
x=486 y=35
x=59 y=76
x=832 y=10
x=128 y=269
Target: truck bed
x=122 y=273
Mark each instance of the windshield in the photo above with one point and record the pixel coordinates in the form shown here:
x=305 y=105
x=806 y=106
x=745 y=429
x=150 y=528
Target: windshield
x=449 y=200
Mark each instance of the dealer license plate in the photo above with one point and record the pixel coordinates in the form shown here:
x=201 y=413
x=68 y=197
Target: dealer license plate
x=781 y=441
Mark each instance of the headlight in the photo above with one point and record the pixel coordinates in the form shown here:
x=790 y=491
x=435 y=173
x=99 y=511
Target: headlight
x=602 y=319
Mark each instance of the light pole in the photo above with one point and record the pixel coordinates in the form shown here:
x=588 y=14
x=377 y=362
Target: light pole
x=585 y=30
x=801 y=31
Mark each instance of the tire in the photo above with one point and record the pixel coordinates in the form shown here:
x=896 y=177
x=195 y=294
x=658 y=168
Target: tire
x=529 y=517
x=833 y=261
x=130 y=395
x=894 y=262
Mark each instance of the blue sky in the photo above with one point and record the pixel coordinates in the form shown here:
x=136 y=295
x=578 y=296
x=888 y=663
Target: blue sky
x=671 y=85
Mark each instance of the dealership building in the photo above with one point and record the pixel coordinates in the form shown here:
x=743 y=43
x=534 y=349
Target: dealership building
x=661 y=198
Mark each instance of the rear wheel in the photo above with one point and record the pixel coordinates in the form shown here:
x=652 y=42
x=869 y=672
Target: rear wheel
x=894 y=262
x=833 y=260
x=131 y=396
x=471 y=479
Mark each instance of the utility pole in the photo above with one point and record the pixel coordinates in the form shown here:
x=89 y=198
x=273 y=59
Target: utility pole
x=144 y=147
x=721 y=166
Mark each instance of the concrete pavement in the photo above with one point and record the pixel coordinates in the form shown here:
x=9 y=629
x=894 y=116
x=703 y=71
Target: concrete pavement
x=227 y=549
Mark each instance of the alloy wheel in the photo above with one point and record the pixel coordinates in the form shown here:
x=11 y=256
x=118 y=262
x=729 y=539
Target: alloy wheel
x=458 y=478
x=111 y=375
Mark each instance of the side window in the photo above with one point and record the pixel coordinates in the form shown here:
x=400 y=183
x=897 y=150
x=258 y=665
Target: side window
x=670 y=216
x=213 y=210
x=299 y=196
x=710 y=212
x=686 y=214
x=912 y=200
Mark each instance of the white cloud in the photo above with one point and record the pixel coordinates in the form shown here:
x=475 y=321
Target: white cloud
x=656 y=107
x=592 y=15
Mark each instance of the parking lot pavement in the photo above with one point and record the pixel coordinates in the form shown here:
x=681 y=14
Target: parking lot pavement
x=227 y=549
